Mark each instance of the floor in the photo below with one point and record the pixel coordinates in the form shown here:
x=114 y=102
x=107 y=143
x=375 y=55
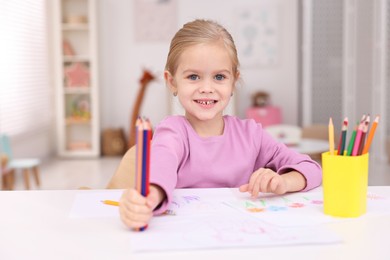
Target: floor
x=61 y=174
x=65 y=174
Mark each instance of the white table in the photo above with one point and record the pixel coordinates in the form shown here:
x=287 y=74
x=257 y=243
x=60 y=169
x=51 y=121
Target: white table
x=311 y=146
x=36 y=225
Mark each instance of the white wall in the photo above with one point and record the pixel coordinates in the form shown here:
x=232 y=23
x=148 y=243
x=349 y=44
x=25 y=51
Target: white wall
x=122 y=60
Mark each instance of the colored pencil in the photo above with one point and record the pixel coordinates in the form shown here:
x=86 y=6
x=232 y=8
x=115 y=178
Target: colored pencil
x=143 y=139
x=370 y=135
x=149 y=126
x=364 y=133
x=110 y=202
x=138 y=150
x=358 y=136
x=343 y=137
x=352 y=140
x=331 y=137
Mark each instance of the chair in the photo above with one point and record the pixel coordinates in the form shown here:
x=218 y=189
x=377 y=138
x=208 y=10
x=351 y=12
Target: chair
x=7 y=175
x=24 y=165
x=287 y=134
x=315 y=131
x=124 y=176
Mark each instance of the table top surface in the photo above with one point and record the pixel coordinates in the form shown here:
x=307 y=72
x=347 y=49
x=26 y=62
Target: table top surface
x=310 y=146
x=36 y=225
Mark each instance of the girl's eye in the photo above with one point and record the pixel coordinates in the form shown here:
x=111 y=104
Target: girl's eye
x=193 y=77
x=219 y=77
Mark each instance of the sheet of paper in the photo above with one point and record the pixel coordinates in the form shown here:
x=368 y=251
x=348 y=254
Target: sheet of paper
x=200 y=218
x=222 y=231
x=217 y=218
x=298 y=209
x=89 y=204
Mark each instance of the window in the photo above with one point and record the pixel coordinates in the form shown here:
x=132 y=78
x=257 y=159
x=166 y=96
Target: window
x=25 y=93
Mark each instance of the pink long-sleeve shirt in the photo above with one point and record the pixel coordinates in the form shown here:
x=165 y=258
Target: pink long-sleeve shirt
x=180 y=158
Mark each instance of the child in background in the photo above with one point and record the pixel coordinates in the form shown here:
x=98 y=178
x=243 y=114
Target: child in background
x=204 y=148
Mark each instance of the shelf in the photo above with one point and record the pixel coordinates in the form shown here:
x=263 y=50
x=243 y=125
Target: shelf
x=77 y=58
x=75 y=27
x=77 y=121
x=77 y=90
x=77 y=81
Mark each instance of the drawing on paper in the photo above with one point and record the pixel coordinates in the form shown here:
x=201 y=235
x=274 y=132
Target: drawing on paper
x=236 y=230
x=275 y=203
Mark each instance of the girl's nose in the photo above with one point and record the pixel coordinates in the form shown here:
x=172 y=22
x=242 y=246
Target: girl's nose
x=207 y=87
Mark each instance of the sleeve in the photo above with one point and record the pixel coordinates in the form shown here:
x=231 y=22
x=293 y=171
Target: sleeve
x=166 y=153
x=281 y=159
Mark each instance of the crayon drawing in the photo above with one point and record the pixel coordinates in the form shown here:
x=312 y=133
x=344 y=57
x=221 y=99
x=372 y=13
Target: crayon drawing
x=265 y=204
x=224 y=231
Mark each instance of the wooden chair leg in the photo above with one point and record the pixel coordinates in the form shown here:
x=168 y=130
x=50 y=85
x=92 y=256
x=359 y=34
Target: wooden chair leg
x=36 y=176
x=4 y=184
x=11 y=179
x=8 y=181
x=26 y=179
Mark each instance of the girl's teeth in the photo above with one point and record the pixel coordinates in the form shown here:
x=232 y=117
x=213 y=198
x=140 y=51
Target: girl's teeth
x=206 y=102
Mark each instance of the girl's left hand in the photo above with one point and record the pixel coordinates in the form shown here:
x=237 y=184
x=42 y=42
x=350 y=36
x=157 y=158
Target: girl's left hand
x=265 y=180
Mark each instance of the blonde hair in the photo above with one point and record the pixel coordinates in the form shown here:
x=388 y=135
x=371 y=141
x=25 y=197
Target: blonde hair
x=196 y=32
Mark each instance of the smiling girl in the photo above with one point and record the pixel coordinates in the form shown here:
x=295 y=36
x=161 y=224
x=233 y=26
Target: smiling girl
x=204 y=148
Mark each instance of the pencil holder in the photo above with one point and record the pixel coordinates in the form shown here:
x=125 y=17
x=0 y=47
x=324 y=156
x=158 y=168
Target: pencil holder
x=345 y=181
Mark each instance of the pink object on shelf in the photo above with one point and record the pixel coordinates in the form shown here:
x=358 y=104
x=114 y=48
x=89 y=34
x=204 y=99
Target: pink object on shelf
x=267 y=115
x=67 y=48
x=77 y=75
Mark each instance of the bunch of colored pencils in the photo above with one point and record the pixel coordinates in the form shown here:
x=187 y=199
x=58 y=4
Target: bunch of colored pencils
x=142 y=162
x=358 y=144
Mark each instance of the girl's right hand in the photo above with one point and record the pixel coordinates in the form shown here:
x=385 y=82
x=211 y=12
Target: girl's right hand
x=136 y=210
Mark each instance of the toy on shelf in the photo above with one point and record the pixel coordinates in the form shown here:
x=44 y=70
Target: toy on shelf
x=82 y=109
x=67 y=48
x=77 y=75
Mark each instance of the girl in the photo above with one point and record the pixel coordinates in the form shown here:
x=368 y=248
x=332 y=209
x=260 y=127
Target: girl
x=204 y=148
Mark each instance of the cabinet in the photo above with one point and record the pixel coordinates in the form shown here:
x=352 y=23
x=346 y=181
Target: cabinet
x=77 y=86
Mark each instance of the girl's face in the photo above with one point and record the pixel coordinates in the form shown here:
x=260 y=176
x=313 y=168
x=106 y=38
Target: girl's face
x=204 y=81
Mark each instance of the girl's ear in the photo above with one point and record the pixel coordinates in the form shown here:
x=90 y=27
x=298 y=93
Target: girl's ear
x=236 y=80
x=237 y=75
x=170 y=81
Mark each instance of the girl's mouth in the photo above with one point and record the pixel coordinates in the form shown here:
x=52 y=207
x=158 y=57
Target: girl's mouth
x=206 y=102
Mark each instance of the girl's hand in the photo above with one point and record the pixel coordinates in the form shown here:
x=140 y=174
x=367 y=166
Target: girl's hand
x=265 y=180
x=136 y=210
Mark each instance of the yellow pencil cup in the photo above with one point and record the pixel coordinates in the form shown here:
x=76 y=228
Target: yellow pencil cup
x=345 y=181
